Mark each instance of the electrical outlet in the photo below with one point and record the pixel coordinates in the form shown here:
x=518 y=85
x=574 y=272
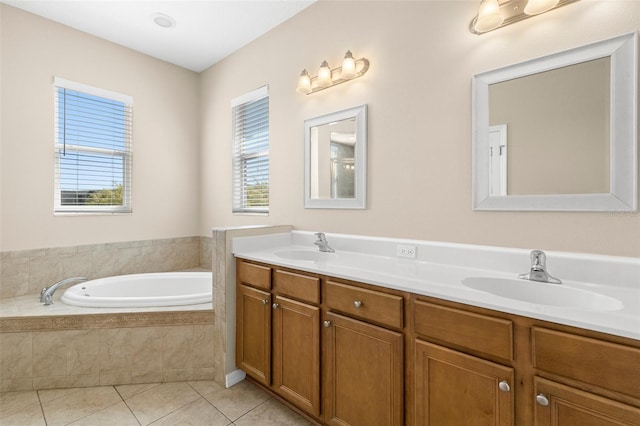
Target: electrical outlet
x=406 y=251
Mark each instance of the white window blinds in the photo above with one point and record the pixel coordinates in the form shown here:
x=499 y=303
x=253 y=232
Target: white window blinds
x=250 y=115
x=92 y=149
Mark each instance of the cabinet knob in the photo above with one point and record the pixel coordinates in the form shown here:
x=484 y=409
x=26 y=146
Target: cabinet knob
x=542 y=400
x=357 y=303
x=504 y=386
x=275 y=305
x=326 y=323
x=265 y=301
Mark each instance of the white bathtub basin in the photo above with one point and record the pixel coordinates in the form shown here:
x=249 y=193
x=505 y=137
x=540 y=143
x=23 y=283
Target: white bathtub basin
x=307 y=255
x=544 y=293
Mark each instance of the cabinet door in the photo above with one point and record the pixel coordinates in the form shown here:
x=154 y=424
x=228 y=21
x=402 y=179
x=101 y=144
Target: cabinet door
x=253 y=333
x=560 y=405
x=296 y=353
x=452 y=388
x=364 y=373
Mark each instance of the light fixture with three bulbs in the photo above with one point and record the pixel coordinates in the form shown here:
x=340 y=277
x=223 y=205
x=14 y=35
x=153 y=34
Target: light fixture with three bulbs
x=327 y=77
x=494 y=14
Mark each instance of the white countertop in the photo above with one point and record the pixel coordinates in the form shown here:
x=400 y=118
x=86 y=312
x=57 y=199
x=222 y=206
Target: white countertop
x=374 y=262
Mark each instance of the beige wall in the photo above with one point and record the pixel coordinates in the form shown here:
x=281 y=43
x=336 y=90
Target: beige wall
x=165 y=145
x=418 y=90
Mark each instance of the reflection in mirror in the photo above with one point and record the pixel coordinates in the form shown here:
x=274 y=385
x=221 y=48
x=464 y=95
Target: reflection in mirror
x=335 y=160
x=563 y=125
x=559 y=132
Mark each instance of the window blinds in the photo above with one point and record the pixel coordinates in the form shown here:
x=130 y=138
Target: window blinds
x=92 y=149
x=250 y=116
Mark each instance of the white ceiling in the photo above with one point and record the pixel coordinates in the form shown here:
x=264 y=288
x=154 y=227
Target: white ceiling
x=205 y=32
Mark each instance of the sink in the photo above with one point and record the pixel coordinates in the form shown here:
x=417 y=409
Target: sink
x=544 y=293
x=307 y=255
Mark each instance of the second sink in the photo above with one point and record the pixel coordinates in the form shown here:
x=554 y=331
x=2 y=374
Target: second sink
x=544 y=293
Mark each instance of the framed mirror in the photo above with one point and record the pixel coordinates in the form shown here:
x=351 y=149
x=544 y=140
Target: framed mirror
x=335 y=160
x=559 y=133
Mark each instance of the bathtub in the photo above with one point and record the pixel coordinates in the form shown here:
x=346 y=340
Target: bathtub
x=142 y=290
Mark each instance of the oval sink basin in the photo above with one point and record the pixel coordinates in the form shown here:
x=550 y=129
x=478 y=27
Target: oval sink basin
x=544 y=293
x=310 y=256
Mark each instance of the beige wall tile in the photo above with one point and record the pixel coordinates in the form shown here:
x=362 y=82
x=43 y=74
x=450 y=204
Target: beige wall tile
x=146 y=348
x=153 y=376
x=83 y=381
x=178 y=375
x=14 y=276
x=44 y=271
x=57 y=382
x=203 y=374
x=115 y=350
x=16 y=355
x=118 y=378
x=177 y=347
x=50 y=354
x=10 y=385
x=203 y=347
x=83 y=349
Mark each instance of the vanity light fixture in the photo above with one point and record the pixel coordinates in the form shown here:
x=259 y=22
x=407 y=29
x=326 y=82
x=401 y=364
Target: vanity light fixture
x=493 y=14
x=327 y=77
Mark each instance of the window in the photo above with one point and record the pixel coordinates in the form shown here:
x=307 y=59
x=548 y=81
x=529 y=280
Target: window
x=92 y=149
x=250 y=115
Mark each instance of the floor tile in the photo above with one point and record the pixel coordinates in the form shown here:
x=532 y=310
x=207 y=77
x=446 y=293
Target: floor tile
x=127 y=391
x=204 y=387
x=118 y=414
x=11 y=402
x=271 y=413
x=79 y=403
x=161 y=400
x=237 y=400
x=29 y=416
x=196 y=413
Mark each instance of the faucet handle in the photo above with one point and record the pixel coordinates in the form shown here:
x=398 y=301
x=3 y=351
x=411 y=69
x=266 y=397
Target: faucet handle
x=538 y=258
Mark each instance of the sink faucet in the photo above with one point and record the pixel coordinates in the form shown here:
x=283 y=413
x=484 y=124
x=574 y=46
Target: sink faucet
x=322 y=243
x=538 y=270
x=46 y=295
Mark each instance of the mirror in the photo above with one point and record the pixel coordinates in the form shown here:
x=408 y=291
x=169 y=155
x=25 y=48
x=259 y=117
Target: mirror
x=558 y=133
x=335 y=158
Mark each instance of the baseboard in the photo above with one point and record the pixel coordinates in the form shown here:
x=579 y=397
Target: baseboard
x=234 y=377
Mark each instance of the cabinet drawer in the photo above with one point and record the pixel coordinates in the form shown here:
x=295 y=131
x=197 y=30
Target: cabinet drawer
x=370 y=305
x=478 y=333
x=607 y=365
x=298 y=286
x=253 y=275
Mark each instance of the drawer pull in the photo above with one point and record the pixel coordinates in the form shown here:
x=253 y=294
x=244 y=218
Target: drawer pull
x=327 y=324
x=275 y=305
x=265 y=301
x=357 y=303
x=504 y=386
x=542 y=400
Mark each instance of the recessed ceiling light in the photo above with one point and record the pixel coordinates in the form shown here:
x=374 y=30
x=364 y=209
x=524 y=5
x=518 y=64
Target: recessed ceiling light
x=162 y=20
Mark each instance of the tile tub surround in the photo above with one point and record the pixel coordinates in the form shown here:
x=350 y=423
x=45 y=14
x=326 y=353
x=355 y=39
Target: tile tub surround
x=439 y=269
x=63 y=351
x=28 y=271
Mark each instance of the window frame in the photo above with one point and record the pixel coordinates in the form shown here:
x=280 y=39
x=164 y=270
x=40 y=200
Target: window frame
x=240 y=157
x=125 y=154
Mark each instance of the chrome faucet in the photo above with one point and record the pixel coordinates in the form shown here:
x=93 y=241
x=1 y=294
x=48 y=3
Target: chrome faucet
x=322 y=243
x=538 y=270
x=46 y=295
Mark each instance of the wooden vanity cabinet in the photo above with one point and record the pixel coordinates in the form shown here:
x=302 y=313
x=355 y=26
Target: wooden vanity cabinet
x=364 y=356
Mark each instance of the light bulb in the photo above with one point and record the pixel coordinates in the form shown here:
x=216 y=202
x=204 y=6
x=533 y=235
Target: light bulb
x=304 y=83
x=535 y=7
x=348 y=66
x=489 y=16
x=324 y=75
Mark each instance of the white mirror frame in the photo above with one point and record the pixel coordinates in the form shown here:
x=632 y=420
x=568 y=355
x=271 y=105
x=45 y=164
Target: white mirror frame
x=360 y=155
x=623 y=195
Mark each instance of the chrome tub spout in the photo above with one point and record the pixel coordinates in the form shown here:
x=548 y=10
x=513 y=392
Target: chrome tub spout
x=46 y=295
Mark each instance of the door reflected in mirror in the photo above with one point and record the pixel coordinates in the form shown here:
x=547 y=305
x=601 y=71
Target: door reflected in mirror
x=335 y=160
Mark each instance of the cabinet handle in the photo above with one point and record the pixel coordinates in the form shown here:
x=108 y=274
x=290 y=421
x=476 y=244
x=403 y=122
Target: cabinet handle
x=265 y=301
x=275 y=305
x=327 y=324
x=504 y=386
x=357 y=303
x=542 y=400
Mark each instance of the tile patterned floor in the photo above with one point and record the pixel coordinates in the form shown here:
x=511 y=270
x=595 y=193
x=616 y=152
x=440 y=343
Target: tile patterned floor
x=168 y=404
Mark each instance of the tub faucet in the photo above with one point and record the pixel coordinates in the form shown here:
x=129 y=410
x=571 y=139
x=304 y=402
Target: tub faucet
x=322 y=243
x=538 y=270
x=46 y=295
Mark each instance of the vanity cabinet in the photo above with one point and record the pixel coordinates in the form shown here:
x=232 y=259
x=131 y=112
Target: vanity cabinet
x=363 y=361
x=347 y=353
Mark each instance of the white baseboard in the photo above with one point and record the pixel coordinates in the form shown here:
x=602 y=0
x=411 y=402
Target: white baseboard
x=234 y=377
